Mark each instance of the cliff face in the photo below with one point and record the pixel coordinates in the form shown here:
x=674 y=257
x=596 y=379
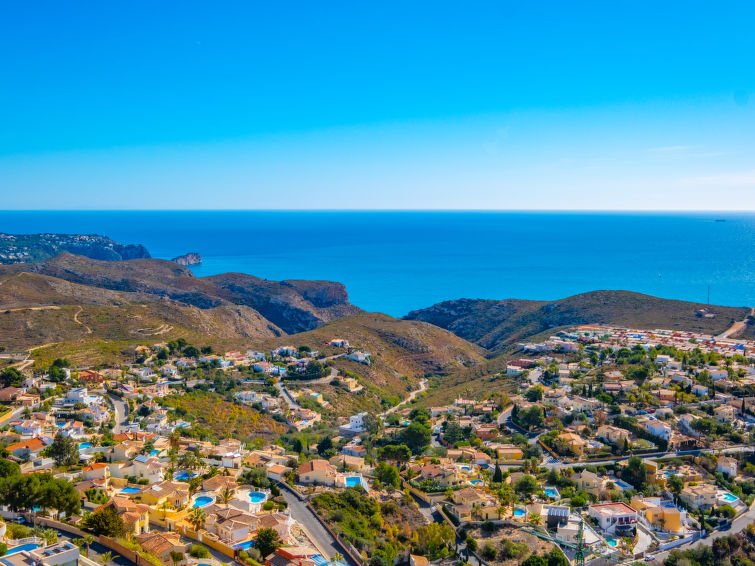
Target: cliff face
x=293 y=306
x=28 y=248
x=191 y=258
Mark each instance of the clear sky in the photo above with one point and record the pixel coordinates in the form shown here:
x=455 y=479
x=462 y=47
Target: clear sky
x=388 y=105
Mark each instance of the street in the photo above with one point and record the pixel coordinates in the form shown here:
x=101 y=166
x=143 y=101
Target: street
x=121 y=412
x=301 y=513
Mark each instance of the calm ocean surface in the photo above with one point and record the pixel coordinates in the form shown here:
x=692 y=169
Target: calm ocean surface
x=395 y=262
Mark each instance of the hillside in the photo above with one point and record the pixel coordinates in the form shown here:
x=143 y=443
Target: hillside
x=403 y=352
x=26 y=248
x=88 y=323
x=292 y=306
x=494 y=325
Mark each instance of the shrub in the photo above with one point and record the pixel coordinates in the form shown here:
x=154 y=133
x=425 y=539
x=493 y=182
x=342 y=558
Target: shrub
x=199 y=551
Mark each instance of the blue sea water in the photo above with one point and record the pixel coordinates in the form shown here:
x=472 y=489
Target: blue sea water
x=394 y=262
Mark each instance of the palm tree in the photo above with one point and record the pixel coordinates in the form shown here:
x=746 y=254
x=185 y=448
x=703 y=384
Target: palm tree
x=164 y=506
x=226 y=495
x=50 y=536
x=196 y=518
x=78 y=542
x=176 y=557
x=88 y=540
x=106 y=557
x=534 y=518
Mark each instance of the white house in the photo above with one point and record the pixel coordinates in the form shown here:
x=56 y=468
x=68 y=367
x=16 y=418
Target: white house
x=613 y=517
x=355 y=425
x=361 y=357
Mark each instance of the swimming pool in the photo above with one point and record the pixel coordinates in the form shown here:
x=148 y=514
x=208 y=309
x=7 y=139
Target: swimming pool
x=154 y=452
x=611 y=541
x=21 y=548
x=183 y=476
x=477 y=483
x=244 y=545
x=466 y=468
x=729 y=497
x=353 y=481
x=130 y=490
x=84 y=445
x=550 y=492
x=518 y=512
x=257 y=496
x=203 y=501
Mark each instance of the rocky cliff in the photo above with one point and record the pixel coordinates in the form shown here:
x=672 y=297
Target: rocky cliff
x=191 y=258
x=293 y=306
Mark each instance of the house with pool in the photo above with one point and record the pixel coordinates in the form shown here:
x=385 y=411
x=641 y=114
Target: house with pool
x=319 y=472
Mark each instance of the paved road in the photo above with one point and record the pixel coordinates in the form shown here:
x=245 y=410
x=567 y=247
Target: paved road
x=121 y=412
x=286 y=396
x=301 y=513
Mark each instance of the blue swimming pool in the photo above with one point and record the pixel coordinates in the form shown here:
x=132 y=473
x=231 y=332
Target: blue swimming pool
x=154 y=452
x=21 y=548
x=611 y=541
x=203 y=501
x=552 y=493
x=84 y=445
x=183 y=476
x=466 y=468
x=257 y=497
x=729 y=497
x=518 y=512
x=353 y=481
x=130 y=490
x=477 y=483
x=244 y=545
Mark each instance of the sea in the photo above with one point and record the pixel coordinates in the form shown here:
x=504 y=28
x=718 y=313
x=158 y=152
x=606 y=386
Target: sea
x=395 y=262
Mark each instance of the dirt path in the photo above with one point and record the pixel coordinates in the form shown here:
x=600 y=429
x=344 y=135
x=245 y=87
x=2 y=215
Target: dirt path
x=77 y=321
x=735 y=328
x=412 y=396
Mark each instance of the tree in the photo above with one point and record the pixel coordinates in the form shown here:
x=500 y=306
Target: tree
x=534 y=394
x=535 y=560
x=417 y=437
x=176 y=557
x=398 y=453
x=388 y=475
x=64 y=450
x=526 y=485
x=88 y=540
x=675 y=484
x=325 y=446
x=267 y=541
x=106 y=557
x=105 y=521
x=226 y=495
x=497 y=474
x=191 y=352
x=196 y=518
x=635 y=472
x=314 y=370
x=11 y=377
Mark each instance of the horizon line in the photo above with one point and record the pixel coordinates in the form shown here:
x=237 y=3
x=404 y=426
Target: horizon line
x=439 y=210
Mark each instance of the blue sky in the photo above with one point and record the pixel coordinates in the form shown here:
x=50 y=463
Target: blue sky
x=390 y=105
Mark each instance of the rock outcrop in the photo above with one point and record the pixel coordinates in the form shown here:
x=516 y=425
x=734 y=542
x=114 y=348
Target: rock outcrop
x=192 y=258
